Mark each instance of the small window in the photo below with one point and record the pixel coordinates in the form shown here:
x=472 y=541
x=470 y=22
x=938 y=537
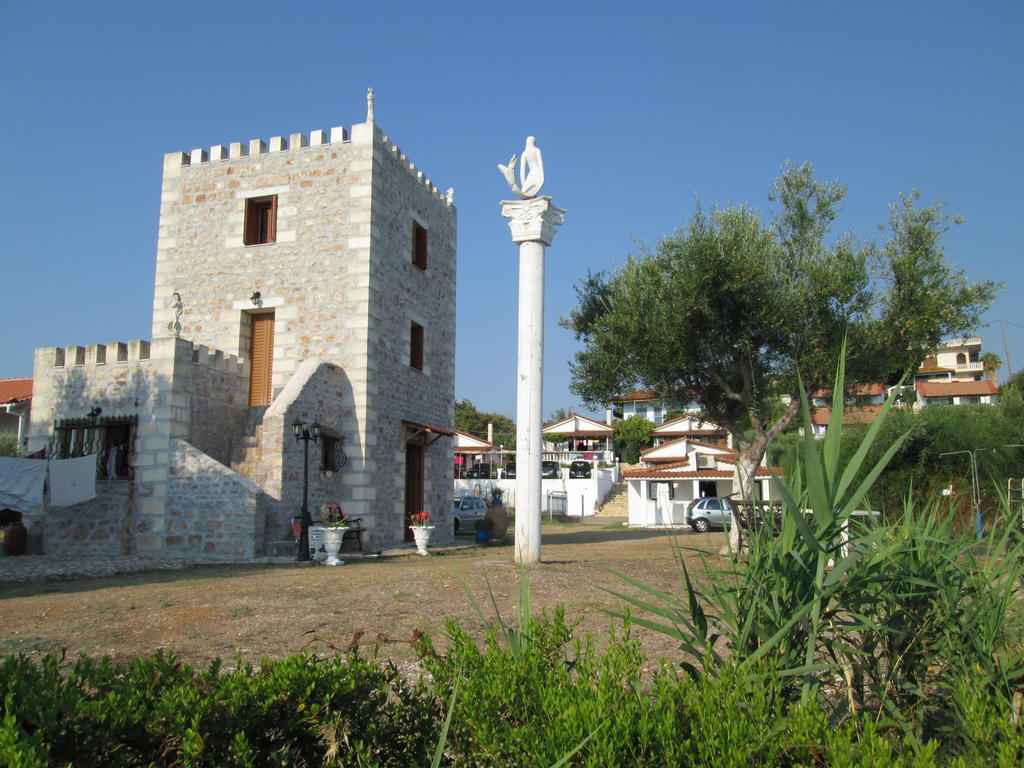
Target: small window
x=332 y=457
x=261 y=220
x=652 y=490
x=419 y=245
x=111 y=439
x=416 y=346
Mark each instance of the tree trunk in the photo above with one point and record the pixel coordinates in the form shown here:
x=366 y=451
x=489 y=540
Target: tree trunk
x=746 y=473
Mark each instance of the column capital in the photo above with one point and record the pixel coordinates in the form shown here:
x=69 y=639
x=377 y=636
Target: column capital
x=534 y=219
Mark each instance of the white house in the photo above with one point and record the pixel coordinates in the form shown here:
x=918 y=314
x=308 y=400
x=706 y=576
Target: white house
x=697 y=430
x=676 y=472
x=647 y=403
x=589 y=438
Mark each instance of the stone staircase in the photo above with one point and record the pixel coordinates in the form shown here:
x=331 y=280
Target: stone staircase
x=246 y=456
x=616 y=502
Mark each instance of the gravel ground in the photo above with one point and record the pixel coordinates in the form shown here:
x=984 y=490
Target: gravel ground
x=275 y=608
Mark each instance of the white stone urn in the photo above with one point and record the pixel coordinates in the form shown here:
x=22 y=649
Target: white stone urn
x=421 y=534
x=332 y=543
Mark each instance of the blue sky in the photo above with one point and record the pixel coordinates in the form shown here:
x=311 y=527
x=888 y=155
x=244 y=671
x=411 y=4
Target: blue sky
x=639 y=109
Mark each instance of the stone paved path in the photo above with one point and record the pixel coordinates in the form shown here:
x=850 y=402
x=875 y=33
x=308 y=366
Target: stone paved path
x=56 y=568
x=24 y=568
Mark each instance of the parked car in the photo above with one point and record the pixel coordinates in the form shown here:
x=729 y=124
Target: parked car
x=548 y=470
x=484 y=470
x=711 y=512
x=579 y=469
x=467 y=510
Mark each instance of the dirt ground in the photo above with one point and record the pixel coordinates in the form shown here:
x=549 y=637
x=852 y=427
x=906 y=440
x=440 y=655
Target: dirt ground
x=271 y=611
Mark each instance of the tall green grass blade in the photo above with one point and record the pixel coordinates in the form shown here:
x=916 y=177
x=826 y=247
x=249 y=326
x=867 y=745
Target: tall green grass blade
x=833 y=435
x=442 y=739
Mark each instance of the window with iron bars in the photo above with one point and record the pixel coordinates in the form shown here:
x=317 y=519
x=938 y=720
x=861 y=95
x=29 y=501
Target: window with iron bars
x=111 y=438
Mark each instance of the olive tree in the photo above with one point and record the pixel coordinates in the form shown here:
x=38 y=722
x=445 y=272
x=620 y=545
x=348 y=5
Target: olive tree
x=738 y=311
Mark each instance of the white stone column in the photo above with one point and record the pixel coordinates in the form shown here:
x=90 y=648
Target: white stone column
x=533 y=223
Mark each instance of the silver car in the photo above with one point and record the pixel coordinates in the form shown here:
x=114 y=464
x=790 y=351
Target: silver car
x=467 y=510
x=712 y=512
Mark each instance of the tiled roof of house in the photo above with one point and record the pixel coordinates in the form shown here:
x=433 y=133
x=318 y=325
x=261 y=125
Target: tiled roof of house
x=15 y=390
x=467 y=441
x=678 y=471
x=640 y=394
x=596 y=427
x=858 y=390
x=852 y=414
x=956 y=388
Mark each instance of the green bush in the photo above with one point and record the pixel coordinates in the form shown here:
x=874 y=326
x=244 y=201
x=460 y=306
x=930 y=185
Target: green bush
x=300 y=711
x=534 y=696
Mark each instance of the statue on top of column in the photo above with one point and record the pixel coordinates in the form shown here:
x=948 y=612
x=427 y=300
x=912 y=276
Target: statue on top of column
x=531 y=174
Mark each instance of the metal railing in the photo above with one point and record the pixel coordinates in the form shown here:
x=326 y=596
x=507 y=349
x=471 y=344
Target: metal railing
x=556 y=503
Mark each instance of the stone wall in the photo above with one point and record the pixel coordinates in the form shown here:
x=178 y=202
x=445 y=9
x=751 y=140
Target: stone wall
x=339 y=267
x=211 y=511
x=319 y=391
x=400 y=294
x=211 y=392
x=172 y=387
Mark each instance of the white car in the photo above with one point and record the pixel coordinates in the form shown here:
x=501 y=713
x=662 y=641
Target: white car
x=467 y=510
x=710 y=512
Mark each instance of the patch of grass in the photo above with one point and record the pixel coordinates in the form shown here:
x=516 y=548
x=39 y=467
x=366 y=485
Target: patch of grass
x=30 y=644
x=242 y=610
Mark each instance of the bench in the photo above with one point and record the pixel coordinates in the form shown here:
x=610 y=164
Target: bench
x=353 y=534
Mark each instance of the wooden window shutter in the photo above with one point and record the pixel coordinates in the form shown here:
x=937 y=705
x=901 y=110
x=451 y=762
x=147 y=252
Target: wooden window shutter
x=262 y=359
x=416 y=346
x=260 y=220
x=419 y=245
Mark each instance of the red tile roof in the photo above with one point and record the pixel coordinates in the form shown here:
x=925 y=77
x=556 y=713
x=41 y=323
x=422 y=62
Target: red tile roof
x=15 y=390
x=857 y=390
x=672 y=471
x=640 y=394
x=852 y=414
x=956 y=388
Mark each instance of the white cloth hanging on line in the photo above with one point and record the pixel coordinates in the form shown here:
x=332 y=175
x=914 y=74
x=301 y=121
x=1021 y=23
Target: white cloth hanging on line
x=72 y=481
x=21 y=483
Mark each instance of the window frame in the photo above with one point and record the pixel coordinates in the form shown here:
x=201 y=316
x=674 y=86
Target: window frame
x=416 y=342
x=111 y=438
x=652 y=489
x=420 y=245
x=260 y=227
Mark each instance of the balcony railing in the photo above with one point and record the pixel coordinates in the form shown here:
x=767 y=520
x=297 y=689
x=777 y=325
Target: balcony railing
x=973 y=366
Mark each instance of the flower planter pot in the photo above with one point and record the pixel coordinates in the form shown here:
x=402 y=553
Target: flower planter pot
x=482 y=537
x=421 y=535
x=332 y=543
x=498 y=514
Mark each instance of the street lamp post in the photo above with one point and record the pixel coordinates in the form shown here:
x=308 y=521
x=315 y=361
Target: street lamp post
x=975 y=488
x=305 y=433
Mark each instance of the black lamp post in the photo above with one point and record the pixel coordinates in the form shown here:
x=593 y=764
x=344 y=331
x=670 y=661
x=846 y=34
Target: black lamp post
x=305 y=434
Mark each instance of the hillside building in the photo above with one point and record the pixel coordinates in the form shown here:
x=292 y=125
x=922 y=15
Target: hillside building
x=309 y=278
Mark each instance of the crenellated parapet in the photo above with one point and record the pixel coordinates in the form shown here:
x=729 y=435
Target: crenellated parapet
x=93 y=354
x=215 y=359
x=299 y=142
x=447 y=197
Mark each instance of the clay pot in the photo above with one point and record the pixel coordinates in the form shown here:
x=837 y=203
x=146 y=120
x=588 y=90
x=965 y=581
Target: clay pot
x=15 y=538
x=499 y=516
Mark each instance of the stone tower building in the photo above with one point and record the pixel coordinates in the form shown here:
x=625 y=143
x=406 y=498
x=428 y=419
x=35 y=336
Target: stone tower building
x=309 y=278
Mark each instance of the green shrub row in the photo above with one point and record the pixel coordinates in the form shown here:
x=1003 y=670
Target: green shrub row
x=155 y=711
x=534 y=696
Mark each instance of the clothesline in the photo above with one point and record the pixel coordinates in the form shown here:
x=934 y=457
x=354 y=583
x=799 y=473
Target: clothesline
x=22 y=482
